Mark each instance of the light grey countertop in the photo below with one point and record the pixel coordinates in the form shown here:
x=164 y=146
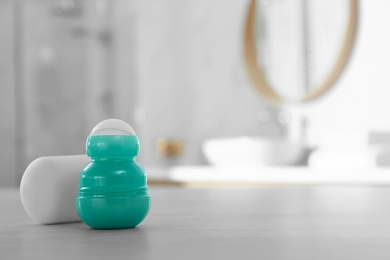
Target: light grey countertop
x=309 y=222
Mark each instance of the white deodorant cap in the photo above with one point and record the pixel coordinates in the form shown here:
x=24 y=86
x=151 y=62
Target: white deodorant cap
x=113 y=127
x=49 y=188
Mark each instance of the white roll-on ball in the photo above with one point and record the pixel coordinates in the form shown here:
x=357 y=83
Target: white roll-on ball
x=113 y=127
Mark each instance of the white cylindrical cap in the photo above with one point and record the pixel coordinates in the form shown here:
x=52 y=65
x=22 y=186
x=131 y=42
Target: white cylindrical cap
x=48 y=188
x=113 y=127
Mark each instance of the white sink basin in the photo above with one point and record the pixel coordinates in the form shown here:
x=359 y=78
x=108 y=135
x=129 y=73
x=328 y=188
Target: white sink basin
x=254 y=151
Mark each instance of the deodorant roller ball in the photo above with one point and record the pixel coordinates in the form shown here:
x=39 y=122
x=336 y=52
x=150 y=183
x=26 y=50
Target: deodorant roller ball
x=113 y=190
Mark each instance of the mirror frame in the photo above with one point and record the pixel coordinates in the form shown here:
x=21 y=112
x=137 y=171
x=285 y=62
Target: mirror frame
x=256 y=72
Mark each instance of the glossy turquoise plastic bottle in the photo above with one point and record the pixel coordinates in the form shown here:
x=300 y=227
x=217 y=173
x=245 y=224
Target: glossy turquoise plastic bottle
x=113 y=190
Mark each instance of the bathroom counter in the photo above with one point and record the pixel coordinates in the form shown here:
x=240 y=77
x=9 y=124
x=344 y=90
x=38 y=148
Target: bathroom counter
x=301 y=222
x=257 y=176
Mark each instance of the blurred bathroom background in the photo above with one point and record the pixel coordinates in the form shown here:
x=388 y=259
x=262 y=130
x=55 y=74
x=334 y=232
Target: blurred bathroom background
x=174 y=70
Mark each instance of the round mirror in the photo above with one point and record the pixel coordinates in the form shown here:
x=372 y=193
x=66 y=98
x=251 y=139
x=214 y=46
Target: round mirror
x=295 y=50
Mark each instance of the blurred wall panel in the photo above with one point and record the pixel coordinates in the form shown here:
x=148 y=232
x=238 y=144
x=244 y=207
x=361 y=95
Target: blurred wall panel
x=55 y=77
x=359 y=102
x=124 y=28
x=79 y=69
x=97 y=35
x=111 y=56
x=7 y=112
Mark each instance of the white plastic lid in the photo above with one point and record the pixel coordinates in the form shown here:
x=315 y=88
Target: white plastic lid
x=112 y=127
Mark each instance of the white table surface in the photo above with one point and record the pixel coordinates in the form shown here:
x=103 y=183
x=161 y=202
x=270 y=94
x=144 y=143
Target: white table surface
x=307 y=222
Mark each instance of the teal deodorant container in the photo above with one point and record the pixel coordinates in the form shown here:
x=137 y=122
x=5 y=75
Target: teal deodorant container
x=113 y=191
